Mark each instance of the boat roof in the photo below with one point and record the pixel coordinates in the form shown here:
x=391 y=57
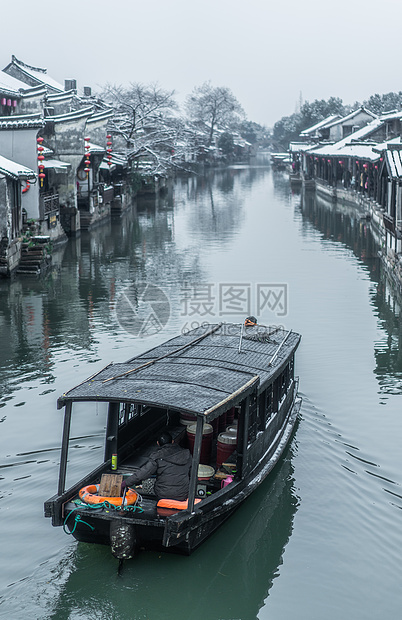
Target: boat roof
x=201 y=372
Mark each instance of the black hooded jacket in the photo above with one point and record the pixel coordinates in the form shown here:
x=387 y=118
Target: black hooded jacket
x=172 y=464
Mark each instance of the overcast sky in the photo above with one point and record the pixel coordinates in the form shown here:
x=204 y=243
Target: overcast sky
x=268 y=52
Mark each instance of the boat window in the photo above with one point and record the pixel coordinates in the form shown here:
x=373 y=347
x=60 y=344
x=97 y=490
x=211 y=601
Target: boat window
x=275 y=394
x=127 y=412
x=284 y=382
x=269 y=404
x=291 y=369
x=122 y=414
x=252 y=419
x=262 y=407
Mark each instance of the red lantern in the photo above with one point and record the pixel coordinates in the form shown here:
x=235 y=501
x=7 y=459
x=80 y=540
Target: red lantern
x=41 y=158
x=109 y=148
x=87 y=160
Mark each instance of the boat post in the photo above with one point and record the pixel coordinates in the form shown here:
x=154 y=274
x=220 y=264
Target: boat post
x=196 y=459
x=112 y=429
x=64 y=448
x=242 y=432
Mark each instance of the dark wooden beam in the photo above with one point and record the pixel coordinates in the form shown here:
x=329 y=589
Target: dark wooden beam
x=64 y=448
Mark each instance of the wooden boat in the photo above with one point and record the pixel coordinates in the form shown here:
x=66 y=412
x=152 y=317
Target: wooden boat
x=217 y=375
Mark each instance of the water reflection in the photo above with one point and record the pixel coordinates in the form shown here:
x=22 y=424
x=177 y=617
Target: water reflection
x=228 y=577
x=77 y=299
x=345 y=224
x=237 y=225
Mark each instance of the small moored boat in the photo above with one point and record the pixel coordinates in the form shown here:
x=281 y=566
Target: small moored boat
x=226 y=391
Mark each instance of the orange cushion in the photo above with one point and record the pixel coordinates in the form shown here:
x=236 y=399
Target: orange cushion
x=174 y=503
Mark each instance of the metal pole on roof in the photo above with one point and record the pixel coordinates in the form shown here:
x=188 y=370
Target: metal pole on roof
x=241 y=336
x=273 y=358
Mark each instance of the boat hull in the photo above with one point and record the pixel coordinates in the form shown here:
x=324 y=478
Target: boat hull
x=182 y=533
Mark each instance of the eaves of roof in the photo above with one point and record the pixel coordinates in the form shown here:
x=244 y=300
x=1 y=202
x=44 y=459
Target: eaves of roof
x=23 y=121
x=71 y=116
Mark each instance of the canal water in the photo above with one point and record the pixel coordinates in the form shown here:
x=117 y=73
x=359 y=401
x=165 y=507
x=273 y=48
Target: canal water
x=321 y=538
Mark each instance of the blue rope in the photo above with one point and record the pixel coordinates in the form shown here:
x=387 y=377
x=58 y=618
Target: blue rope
x=77 y=520
x=106 y=505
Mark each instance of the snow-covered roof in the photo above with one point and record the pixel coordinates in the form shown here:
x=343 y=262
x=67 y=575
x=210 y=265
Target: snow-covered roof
x=361 y=133
x=389 y=116
x=58 y=97
x=354 y=137
x=383 y=146
x=22 y=121
x=100 y=116
x=37 y=73
x=295 y=147
x=327 y=122
x=95 y=148
x=12 y=169
x=72 y=116
x=56 y=164
x=352 y=115
x=359 y=151
x=116 y=159
x=394 y=163
x=11 y=84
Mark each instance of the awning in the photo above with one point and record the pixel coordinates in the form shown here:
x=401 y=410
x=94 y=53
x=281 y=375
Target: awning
x=16 y=171
x=56 y=164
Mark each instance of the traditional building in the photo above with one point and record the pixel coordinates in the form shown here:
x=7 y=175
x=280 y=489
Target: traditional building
x=14 y=180
x=32 y=76
x=390 y=174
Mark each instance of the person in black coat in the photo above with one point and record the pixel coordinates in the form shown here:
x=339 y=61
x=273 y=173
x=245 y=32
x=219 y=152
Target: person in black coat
x=171 y=464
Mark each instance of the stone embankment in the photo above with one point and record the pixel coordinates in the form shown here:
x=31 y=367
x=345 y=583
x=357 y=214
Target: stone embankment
x=391 y=261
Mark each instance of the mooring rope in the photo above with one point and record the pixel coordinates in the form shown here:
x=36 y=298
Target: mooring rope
x=106 y=505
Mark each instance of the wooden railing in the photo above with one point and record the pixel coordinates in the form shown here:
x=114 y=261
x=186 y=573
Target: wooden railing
x=48 y=203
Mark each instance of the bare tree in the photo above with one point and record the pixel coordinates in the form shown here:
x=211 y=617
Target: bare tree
x=146 y=123
x=212 y=107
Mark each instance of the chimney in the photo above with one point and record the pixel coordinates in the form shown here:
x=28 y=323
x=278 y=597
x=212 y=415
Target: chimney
x=70 y=84
x=87 y=91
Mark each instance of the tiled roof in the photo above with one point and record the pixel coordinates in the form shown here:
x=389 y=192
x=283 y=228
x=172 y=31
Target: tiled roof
x=37 y=73
x=23 y=121
x=12 y=169
x=327 y=122
x=394 y=163
x=10 y=84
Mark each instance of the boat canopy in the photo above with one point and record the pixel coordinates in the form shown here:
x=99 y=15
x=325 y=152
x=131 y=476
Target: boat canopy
x=203 y=372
